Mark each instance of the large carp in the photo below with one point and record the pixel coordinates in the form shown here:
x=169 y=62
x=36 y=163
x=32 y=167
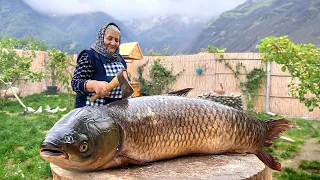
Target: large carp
x=147 y=129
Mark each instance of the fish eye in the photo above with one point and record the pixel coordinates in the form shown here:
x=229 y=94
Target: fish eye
x=84 y=147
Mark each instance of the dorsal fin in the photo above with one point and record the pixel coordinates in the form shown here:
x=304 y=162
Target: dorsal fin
x=180 y=92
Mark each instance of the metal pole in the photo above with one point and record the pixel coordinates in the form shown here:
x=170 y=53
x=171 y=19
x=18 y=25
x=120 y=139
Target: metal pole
x=268 y=90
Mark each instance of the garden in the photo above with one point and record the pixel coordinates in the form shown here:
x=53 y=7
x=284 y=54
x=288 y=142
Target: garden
x=22 y=129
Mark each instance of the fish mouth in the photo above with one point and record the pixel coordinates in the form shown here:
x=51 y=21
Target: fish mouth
x=53 y=152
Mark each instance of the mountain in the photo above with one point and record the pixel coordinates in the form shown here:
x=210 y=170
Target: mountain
x=19 y=20
x=71 y=33
x=83 y=28
x=242 y=28
x=238 y=30
x=174 y=31
x=77 y=32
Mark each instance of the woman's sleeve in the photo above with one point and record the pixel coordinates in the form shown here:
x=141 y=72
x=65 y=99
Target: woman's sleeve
x=82 y=73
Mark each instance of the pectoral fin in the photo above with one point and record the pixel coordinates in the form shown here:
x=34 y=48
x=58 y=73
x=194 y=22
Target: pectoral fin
x=121 y=161
x=133 y=161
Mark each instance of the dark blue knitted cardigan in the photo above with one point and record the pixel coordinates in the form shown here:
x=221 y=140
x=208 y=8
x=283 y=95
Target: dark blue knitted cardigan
x=90 y=67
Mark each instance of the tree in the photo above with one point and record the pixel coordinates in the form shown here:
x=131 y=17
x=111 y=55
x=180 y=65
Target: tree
x=59 y=63
x=31 y=43
x=14 y=67
x=165 y=52
x=303 y=63
x=213 y=49
x=26 y=43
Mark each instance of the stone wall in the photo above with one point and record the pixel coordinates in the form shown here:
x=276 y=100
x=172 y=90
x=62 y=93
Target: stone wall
x=230 y=99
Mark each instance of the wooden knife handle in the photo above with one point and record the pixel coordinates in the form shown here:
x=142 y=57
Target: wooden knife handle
x=110 y=86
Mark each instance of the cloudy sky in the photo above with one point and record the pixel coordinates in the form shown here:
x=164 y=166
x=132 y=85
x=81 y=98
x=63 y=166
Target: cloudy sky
x=128 y=9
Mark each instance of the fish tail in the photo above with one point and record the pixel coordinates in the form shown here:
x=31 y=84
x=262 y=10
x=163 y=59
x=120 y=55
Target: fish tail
x=267 y=159
x=275 y=128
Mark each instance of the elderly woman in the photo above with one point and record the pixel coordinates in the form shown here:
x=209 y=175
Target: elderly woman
x=97 y=66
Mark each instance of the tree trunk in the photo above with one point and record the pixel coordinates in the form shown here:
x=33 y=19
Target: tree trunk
x=194 y=167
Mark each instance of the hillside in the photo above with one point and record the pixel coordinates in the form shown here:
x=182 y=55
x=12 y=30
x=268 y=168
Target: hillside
x=157 y=32
x=19 y=20
x=241 y=29
x=71 y=33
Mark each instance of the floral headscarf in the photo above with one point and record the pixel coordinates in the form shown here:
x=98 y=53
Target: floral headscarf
x=99 y=46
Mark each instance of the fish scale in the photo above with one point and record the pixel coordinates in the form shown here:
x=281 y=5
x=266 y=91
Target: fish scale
x=195 y=127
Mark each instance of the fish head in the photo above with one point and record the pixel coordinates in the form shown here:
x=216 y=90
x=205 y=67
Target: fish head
x=82 y=140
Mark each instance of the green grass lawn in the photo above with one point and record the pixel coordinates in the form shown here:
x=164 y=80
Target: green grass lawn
x=283 y=149
x=20 y=137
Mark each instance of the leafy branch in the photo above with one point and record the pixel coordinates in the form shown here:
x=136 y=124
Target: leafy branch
x=160 y=79
x=14 y=67
x=303 y=63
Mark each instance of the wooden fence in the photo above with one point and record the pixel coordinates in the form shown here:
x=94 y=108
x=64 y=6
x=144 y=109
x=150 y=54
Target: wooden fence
x=214 y=73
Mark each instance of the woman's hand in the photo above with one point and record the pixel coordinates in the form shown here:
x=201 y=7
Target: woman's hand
x=99 y=87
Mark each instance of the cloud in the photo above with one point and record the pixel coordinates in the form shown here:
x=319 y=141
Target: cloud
x=128 y=9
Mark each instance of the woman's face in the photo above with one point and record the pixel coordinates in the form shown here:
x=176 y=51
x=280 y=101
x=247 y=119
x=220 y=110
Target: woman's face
x=111 y=40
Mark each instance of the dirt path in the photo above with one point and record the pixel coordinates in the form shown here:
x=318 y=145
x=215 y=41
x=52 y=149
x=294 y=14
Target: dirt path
x=310 y=151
